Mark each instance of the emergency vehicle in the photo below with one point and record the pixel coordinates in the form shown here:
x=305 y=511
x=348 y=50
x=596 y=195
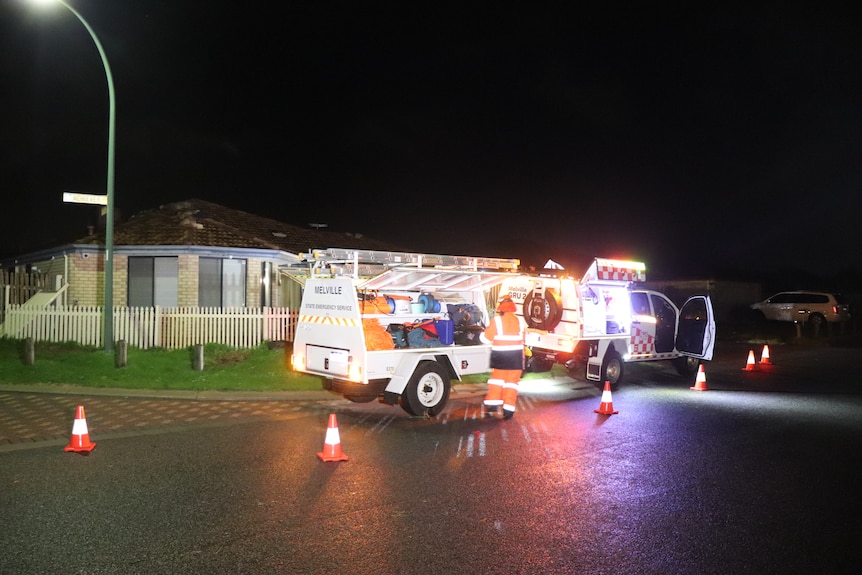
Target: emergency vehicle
x=596 y=324
x=351 y=294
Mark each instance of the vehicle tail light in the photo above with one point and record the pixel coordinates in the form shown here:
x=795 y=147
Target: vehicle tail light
x=298 y=362
x=354 y=371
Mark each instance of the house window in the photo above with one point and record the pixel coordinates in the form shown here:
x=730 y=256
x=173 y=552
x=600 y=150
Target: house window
x=221 y=283
x=153 y=281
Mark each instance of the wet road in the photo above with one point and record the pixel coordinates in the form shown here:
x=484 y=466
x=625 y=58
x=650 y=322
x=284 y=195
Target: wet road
x=31 y=419
x=35 y=419
x=759 y=474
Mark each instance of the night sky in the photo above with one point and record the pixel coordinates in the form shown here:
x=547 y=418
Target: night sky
x=703 y=138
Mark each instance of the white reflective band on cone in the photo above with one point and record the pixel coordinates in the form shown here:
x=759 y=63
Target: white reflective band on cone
x=332 y=437
x=80 y=427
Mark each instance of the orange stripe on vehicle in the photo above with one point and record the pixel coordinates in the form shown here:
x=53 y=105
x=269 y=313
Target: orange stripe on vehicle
x=323 y=320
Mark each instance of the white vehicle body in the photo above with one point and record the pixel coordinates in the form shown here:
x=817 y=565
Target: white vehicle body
x=601 y=321
x=331 y=340
x=804 y=306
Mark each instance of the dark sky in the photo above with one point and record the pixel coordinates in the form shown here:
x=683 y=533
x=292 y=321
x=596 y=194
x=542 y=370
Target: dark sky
x=700 y=137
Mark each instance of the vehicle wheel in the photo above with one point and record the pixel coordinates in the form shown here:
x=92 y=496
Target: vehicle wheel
x=427 y=391
x=539 y=365
x=543 y=312
x=360 y=398
x=686 y=365
x=612 y=370
x=816 y=320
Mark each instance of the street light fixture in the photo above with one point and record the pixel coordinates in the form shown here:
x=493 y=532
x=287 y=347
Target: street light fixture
x=108 y=327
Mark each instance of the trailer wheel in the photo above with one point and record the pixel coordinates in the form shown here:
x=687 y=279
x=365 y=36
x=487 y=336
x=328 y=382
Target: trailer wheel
x=612 y=370
x=360 y=398
x=543 y=312
x=427 y=391
x=538 y=364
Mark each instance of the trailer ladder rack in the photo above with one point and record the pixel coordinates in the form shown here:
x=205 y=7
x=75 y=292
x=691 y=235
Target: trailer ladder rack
x=374 y=270
x=402 y=259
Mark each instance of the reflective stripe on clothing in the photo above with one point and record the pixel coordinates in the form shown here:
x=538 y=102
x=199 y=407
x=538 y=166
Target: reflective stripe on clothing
x=494 y=396
x=506 y=334
x=504 y=389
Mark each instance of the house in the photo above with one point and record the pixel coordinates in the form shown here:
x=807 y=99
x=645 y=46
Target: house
x=189 y=253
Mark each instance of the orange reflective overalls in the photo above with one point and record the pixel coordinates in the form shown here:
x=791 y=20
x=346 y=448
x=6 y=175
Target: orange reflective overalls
x=506 y=334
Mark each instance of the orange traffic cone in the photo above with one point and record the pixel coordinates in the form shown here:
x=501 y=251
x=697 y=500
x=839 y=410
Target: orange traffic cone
x=607 y=406
x=750 y=365
x=764 y=357
x=80 y=436
x=332 y=443
x=700 y=380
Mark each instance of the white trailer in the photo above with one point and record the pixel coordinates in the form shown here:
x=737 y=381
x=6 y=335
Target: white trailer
x=596 y=324
x=338 y=315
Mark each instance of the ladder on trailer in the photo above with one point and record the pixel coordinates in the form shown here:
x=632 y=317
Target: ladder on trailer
x=399 y=259
x=374 y=269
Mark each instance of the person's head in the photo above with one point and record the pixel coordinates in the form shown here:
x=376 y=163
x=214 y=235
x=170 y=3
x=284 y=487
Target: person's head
x=506 y=305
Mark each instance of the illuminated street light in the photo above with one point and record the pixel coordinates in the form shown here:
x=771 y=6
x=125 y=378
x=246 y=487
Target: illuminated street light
x=108 y=328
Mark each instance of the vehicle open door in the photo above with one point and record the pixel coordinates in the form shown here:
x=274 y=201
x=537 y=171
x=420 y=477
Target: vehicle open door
x=695 y=334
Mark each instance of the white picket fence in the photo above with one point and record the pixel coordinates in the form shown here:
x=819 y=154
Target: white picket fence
x=146 y=327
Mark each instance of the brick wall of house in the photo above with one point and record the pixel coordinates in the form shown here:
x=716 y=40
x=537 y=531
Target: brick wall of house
x=86 y=273
x=187 y=282
x=121 y=280
x=252 y=282
x=87 y=279
x=86 y=283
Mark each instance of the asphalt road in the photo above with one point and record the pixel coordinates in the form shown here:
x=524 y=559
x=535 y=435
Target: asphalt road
x=758 y=474
x=32 y=416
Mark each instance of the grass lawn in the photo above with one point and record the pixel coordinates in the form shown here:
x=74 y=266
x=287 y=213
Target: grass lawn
x=225 y=368
x=261 y=369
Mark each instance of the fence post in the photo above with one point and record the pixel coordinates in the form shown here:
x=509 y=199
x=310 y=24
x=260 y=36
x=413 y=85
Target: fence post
x=29 y=351
x=121 y=356
x=198 y=358
x=157 y=326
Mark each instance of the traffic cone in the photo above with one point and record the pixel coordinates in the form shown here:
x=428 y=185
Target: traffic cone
x=332 y=443
x=750 y=365
x=607 y=406
x=80 y=436
x=764 y=356
x=700 y=380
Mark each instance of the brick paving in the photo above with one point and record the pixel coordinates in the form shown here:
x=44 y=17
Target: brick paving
x=27 y=418
x=40 y=415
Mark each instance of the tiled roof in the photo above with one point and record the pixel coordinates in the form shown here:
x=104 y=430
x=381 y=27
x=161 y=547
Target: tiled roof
x=200 y=223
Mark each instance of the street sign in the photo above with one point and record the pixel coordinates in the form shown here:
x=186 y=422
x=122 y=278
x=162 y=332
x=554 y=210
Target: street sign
x=76 y=198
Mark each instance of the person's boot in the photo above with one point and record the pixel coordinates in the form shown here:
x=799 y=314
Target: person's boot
x=490 y=411
x=508 y=414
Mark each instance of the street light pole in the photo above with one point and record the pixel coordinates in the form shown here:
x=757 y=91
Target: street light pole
x=108 y=328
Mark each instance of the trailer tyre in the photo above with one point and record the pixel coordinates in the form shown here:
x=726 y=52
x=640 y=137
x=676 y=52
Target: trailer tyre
x=427 y=391
x=535 y=364
x=360 y=398
x=612 y=370
x=543 y=312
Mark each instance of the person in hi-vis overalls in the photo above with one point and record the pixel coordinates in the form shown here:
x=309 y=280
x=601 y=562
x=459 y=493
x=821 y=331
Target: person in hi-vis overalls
x=505 y=333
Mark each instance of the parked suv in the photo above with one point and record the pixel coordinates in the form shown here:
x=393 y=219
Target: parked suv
x=805 y=306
